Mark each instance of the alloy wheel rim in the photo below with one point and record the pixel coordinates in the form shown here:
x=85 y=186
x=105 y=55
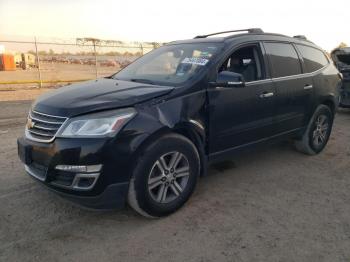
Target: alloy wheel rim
x=168 y=177
x=320 y=132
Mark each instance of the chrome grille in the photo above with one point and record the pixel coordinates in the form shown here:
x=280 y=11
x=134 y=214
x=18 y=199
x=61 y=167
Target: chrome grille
x=43 y=127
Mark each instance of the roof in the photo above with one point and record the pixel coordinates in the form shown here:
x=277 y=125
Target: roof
x=252 y=32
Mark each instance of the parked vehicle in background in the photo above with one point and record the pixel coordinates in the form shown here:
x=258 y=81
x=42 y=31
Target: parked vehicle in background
x=125 y=63
x=145 y=134
x=341 y=58
x=89 y=61
x=75 y=61
x=109 y=63
x=62 y=60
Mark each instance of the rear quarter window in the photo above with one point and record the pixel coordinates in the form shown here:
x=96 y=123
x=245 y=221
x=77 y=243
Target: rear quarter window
x=283 y=58
x=314 y=59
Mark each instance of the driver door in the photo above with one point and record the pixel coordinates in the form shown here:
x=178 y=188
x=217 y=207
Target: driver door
x=239 y=116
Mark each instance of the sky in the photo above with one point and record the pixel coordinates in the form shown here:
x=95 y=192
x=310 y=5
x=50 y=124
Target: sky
x=323 y=22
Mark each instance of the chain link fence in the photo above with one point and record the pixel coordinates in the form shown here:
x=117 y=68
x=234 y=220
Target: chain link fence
x=47 y=64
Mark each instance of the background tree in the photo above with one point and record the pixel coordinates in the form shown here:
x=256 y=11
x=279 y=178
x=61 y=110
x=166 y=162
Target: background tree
x=342 y=45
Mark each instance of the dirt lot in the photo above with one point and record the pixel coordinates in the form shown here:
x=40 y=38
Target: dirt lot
x=22 y=94
x=54 y=71
x=264 y=205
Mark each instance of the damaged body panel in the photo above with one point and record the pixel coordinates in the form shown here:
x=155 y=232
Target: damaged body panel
x=341 y=58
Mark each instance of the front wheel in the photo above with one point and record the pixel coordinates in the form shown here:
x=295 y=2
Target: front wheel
x=317 y=132
x=164 y=177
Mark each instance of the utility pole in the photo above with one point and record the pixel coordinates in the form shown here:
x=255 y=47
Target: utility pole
x=89 y=41
x=141 y=47
x=38 y=63
x=94 y=43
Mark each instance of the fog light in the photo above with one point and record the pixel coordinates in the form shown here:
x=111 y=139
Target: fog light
x=85 y=181
x=79 y=169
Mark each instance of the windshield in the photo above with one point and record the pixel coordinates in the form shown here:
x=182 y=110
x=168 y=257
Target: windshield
x=170 y=65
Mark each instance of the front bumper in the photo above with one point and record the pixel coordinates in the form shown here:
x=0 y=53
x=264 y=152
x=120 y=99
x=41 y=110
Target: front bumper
x=113 y=197
x=108 y=188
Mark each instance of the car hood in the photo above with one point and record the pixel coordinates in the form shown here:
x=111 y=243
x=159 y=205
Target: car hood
x=96 y=95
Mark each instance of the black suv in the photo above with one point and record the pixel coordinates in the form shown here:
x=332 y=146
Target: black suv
x=341 y=58
x=145 y=134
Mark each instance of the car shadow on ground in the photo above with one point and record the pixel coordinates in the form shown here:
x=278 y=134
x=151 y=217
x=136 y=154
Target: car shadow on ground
x=343 y=111
x=259 y=154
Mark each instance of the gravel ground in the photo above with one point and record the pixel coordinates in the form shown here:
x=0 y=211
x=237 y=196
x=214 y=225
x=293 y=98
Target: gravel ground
x=21 y=94
x=270 y=204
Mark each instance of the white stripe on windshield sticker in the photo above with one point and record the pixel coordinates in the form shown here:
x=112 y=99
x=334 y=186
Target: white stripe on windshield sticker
x=195 y=61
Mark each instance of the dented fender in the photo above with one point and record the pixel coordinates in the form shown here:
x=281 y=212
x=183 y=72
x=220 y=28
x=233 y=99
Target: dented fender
x=177 y=114
x=183 y=114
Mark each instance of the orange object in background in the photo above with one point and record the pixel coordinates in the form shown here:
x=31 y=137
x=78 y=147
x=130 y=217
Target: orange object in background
x=7 y=62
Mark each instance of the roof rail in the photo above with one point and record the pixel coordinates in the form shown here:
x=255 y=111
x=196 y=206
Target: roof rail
x=302 y=37
x=249 y=30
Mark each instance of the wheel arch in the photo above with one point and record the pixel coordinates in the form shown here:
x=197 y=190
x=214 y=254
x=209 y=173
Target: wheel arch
x=329 y=102
x=196 y=134
x=186 y=129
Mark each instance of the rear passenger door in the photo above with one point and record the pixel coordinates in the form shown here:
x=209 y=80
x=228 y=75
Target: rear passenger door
x=315 y=61
x=294 y=89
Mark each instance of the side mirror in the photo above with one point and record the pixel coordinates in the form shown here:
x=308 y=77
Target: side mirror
x=229 y=79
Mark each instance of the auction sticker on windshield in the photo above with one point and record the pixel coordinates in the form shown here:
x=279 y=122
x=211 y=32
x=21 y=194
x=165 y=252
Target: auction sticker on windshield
x=195 y=61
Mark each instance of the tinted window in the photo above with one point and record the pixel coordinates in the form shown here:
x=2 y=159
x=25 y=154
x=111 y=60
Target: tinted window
x=283 y=58
x=245 y=61
x=314 y=59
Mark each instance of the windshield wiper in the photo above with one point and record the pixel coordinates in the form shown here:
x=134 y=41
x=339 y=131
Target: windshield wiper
x=141 y=80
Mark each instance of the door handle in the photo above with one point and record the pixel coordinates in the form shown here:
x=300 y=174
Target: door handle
x=306 y=87
x=265 y=95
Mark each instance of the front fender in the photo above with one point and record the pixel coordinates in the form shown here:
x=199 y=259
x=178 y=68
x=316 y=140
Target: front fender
x=184 y=115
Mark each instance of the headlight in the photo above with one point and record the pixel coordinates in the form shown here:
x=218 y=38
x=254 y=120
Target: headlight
x=102 y=124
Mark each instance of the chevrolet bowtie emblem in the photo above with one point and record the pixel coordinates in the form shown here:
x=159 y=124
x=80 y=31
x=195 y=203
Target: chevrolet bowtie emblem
x=30 y=123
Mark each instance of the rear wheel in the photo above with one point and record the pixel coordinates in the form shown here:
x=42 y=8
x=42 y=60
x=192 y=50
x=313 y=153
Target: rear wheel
x=164 y=177
x=317 y=132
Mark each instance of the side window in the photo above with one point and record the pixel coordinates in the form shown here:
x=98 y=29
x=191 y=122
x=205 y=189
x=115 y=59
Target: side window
x=283 y=58
x=245 y=61
x=314 y=59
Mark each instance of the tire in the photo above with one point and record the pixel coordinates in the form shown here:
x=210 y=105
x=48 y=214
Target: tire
x=316 y=136
x=158 y=187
